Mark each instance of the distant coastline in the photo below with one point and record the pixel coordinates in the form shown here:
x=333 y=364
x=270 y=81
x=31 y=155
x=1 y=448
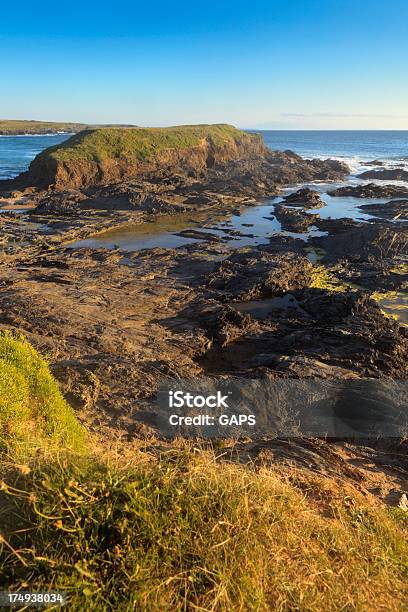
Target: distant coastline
x=22 y=127
x=17 y=127
x=28 y=134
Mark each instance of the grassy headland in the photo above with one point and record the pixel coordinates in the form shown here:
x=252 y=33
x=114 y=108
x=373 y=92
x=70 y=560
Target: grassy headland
x=140 y=143
x=181 y=530
x=11 y=127
x=109 y=155
x=19 y=127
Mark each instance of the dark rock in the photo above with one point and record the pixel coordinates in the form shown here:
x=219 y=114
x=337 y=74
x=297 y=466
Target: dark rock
x=345 y=336
x=225 y=325
x=237 y=233
x=336 y=226
x=153 y=204
x=395 y=209
x=290 y=168
x=375 y=162
x=279 y=244
x=292 y=220
x=130 y=197
x=370 y=190
x=64 y=203
x=258 y=274
x=366 y=408
x=198 y=235
x=365 y=242
x=396 y=174
x=372 y=274
x=307 y=198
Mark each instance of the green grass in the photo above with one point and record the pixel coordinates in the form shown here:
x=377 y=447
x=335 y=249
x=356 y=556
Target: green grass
x=33 y=413
x=186 y=533
x=137 y=144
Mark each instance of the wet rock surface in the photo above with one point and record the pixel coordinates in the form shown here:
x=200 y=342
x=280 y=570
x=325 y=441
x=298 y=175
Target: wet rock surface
x=396 y=174
x=395 y=209
x=198 y=235
x=307 y=198
x=370 y=190
x=375 y=242
x=294 y=220
x=339 y=335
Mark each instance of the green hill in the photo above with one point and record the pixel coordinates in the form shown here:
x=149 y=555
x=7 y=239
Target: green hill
x=111 y=154
x=141 y=143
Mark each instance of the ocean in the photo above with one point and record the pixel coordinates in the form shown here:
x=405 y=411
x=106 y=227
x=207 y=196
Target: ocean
x=16 y=152
x=354 y=147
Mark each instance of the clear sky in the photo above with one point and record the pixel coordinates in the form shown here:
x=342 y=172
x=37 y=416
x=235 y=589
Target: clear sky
x=313 y=64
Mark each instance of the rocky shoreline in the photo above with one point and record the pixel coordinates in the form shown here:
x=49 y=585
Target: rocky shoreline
x=116 y=324
x=65 y=215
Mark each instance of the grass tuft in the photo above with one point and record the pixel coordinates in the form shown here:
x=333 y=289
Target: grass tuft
x=33 y=413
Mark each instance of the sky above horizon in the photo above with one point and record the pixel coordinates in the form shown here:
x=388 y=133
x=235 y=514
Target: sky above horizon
x=277 y=64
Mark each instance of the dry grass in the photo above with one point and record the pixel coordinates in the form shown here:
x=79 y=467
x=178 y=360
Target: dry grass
x=182 y=531
x=185 y=533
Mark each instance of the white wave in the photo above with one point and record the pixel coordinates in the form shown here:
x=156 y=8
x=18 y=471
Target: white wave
x=358 y=165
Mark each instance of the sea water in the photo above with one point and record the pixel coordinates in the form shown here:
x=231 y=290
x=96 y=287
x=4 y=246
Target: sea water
x=352 y=146
x=16 y=152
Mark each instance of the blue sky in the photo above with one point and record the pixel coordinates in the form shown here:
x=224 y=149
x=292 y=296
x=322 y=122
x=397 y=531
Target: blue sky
x=313 y=64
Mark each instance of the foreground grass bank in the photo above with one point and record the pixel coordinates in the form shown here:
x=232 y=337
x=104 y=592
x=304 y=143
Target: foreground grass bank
x=186 y=533
x=183 y=531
